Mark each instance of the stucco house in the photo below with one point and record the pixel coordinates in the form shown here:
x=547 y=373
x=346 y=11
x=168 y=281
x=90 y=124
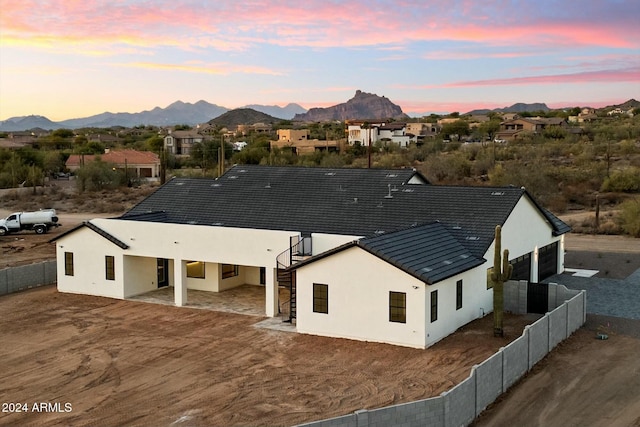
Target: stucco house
x=140 y=164
x=297 y=140
x=181 y=142
x=368 y=254
x=511 y=130
x=365 y=133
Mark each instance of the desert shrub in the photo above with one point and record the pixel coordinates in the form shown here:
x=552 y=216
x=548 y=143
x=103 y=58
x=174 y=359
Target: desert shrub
x=629 y=217
x=99 y=175
x=626 y=180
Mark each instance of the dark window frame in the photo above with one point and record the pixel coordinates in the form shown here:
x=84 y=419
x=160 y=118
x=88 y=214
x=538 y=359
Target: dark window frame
x=320 y=298
x=229 y=270
x=434 y=305
x=397 y=307
x=68 y=264
x=459 y=294
x=110 y=267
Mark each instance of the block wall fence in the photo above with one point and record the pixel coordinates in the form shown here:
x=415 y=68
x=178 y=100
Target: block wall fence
x=21 y=278
x=488 y=380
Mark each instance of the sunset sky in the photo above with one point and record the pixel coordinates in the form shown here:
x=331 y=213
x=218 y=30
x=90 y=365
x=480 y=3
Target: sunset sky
x=76 y=58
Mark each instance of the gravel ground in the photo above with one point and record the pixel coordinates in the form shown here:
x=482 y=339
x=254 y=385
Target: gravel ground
x=610 y=265
x=614 y=291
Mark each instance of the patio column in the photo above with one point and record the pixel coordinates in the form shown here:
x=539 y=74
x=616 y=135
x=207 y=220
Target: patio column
x=271 y=288
x=180 y=282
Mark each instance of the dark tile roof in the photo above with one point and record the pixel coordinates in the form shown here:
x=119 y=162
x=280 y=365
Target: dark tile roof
x=358 y=202
x=428 y=252
x=96 y=229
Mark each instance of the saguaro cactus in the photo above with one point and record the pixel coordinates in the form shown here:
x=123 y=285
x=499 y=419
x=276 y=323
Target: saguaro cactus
x=500 y=273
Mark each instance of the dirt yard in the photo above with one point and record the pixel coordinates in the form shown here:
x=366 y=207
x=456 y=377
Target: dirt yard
x=129 y=363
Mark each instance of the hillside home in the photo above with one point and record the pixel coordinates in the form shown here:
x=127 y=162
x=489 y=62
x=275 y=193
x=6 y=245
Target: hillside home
x=181 y=142
x=256 y=127
x=513 y=129
x=139 y=164
x=297 y=140
x=372 y=133
x=367 y=254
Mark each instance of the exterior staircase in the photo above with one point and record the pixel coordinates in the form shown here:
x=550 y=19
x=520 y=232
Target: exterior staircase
x=298 y=251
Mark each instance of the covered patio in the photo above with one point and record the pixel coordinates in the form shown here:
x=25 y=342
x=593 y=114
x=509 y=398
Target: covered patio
x=245 y=299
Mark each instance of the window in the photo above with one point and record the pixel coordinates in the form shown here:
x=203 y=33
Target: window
x=320 y=298
x=195 y=269
x=489 y=281
x=458 y=294
x=68 y=263
x=229 y=270
x=434 y=306
x=110 y=267
x=397 y=307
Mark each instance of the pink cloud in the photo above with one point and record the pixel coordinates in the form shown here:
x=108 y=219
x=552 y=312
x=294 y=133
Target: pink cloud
x=236 y=25
x=204 y=68
x=626 y=75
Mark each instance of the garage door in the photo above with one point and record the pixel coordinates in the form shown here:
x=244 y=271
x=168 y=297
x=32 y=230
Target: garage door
x=521 y=267
x=547 y=261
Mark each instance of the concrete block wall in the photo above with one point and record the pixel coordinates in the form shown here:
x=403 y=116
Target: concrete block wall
x=538 y=340
x=558 y=326
x=489 y=381
x=515 y=296
x=460 y=405
x=24 y=277
x=428 y=412
x=515 y=360
x=558 y=294
x=576 y=312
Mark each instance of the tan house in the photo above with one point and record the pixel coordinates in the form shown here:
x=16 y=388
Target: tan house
x=181 y=142
x=140 y=164
x=256 y=127
x=299 y=143
x=513 y=129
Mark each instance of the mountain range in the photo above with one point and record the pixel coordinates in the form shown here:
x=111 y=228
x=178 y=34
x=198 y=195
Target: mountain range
x=363 y=106
x=177 y=113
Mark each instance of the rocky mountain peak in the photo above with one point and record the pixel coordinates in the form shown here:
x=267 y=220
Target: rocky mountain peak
x=361 y=107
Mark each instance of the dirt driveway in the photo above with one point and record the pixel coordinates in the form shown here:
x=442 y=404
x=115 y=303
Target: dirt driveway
x=129 y=363
x=584 y=382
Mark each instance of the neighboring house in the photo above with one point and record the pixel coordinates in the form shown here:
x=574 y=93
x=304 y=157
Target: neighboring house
x=181 y=142
x=368 y=254
x=299 y=143
x=16 y=140
x=256 y=127
x=140 y=164
x=511 y=130
x=370 y=133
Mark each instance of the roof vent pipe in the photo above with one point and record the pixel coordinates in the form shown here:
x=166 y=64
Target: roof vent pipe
x=389 y=196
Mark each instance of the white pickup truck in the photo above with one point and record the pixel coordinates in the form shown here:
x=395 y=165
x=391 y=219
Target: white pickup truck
x=40 y=222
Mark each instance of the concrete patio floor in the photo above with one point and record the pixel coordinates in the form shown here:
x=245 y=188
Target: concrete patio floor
x=245 y=299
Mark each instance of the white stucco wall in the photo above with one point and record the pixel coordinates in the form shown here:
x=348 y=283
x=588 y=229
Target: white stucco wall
x=358 y=289
x=141 y=274
x=525 y=231
x=324 y=242
x=89 y=251
x=178 y=243
x=449 y=318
